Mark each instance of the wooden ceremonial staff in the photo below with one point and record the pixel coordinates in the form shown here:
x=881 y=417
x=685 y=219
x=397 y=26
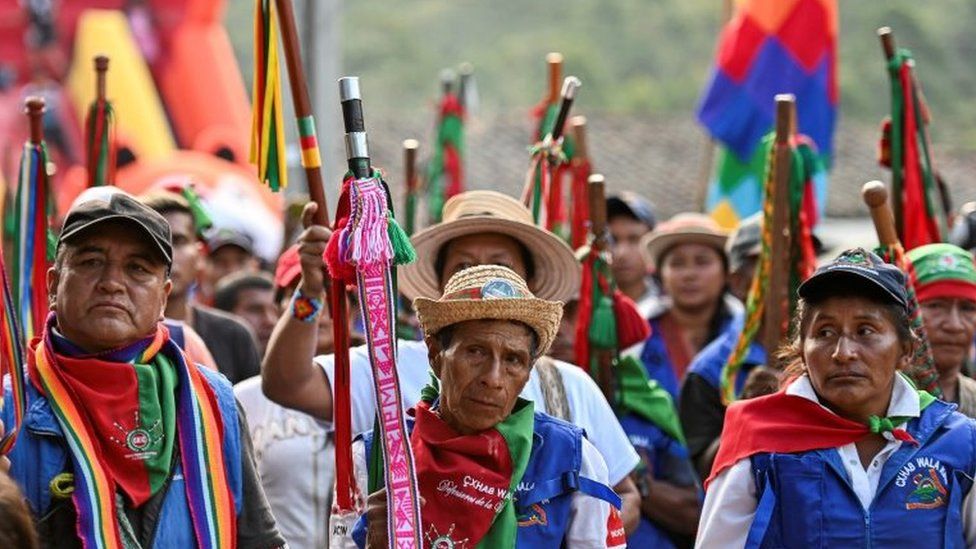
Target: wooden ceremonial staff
x=580 y=161
x=578 y=124
x=303 y=109
x=34 y=107
x=410 y=147
x=887 y=38
x=600 y=242
x=875 y=196
x=554 y=61
x=777 y=297
x=101 y=67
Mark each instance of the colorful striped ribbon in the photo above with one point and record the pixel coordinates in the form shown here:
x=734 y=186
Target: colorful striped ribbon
x=267 y=125
x=32 y=250
x=11 y=360
x=200 y=433
x=309 y=142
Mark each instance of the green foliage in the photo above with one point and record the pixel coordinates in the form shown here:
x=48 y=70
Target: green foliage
x=647 y=57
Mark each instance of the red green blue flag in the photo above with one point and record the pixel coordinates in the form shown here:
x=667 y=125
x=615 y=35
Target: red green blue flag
x=768 y=47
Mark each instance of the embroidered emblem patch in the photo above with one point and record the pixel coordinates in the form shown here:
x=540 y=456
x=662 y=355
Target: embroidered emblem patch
x=536 y=515
x=929 y=492
x=138 y=440
x=436 y=540
x=499 y=289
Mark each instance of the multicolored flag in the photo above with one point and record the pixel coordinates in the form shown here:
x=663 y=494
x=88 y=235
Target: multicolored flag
x=919 y=217
x=768 y=47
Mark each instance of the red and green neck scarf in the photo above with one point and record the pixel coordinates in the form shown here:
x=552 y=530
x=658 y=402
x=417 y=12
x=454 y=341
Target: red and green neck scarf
x=785 y=423
x=468 y=481
x=122 y=413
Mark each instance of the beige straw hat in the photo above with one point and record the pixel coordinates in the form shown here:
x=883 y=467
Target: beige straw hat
x=684 y=228
x=557 y=273
x=490 y=292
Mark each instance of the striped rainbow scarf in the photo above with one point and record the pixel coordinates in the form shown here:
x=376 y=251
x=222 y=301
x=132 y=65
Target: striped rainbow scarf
x=199 y=434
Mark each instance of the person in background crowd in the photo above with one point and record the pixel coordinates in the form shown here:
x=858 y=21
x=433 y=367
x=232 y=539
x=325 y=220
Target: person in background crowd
x=700 y=403
x=294 y=452
x=743 y=249
x=472 y=424
x=850 y=453
x=963 y=233
x=229 y=251
x=665 y=477
x=630 y=217
x=110 y=451
x=251 y=297
x=16 y=525
x=944 y=278
x=293 y=379
x=688 y=255
x=229 y=340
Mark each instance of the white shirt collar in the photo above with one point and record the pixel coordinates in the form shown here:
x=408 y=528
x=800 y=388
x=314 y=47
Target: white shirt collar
x=904 y=397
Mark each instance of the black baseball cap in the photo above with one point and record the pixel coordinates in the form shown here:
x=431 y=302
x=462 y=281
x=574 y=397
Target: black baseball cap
x=857 y=268
x=631 y=204
x=119 y=206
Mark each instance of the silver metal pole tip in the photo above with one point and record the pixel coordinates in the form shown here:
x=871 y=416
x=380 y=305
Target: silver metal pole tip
x=570 y=85
x=349 y=88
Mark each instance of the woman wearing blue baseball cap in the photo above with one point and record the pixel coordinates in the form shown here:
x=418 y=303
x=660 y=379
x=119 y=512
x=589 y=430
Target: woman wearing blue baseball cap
x=849 y=453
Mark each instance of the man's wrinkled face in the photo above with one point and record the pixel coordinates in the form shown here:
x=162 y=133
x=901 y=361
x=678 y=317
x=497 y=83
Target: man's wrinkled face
x=482 y=249
x=186 y=252
x=109 y=288
x=482 y=371
x=628 y=261
x=257 y=307
x=950 y=324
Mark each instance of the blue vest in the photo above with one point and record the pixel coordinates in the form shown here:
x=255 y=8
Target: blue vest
x=668 y=460
x=41 y=453
x=708 y=363
x=807 y=501
x=542 y=498
x=657 y=361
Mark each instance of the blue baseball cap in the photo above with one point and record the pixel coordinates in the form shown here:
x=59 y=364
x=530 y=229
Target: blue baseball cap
x=857 y=268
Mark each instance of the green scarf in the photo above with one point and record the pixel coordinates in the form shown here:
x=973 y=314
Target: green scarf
x=644 y=397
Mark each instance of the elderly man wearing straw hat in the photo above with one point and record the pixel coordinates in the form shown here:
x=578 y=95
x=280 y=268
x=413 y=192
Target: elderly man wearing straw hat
x=491 y=470
x=479 y=228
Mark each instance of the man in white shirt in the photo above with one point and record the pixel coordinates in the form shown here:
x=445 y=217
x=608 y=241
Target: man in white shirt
x=479 y=228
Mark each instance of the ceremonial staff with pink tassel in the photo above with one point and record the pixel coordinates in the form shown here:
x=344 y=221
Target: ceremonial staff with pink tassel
x=365 y=246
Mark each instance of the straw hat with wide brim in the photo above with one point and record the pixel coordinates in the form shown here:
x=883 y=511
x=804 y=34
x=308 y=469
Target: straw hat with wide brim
x=557 y=273
x=684 y=228
x=490 y=292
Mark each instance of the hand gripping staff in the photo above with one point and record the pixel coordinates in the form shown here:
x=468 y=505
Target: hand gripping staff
x=365 y=246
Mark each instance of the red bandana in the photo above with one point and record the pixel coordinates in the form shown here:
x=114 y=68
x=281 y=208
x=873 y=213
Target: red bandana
x=464 y=479
x=785 y=423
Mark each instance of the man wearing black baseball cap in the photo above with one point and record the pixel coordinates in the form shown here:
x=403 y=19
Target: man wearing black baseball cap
x=110 y=447
x=630 y=216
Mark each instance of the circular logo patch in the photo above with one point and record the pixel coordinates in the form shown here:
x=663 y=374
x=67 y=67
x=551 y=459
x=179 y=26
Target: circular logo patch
x=499 y=289
x=137 y=440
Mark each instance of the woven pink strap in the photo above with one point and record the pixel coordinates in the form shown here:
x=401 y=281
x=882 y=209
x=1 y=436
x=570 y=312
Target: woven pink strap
x=369 y=249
